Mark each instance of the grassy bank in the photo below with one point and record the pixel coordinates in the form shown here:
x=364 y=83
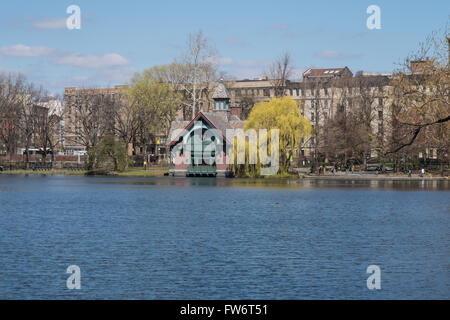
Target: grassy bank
x=140 y=172
x=133 y=172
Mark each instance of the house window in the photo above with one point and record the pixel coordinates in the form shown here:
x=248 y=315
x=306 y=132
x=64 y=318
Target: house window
x=221 y=105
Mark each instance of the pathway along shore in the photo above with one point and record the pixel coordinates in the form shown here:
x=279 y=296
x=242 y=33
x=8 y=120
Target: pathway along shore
x=359 y=176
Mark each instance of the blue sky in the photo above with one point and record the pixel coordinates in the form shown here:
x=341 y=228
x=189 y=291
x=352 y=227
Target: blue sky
x=118 y=38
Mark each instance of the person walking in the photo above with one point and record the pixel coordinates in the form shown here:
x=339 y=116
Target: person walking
x=353 y=169
x=422 y=173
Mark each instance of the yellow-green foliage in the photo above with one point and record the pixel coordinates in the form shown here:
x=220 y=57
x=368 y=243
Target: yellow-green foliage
x=282 y=114
x=247 y=170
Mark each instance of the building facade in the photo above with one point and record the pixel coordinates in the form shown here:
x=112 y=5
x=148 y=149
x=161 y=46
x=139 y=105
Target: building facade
x=199 y=147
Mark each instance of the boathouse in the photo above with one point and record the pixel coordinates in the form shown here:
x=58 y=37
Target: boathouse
x=198 y=147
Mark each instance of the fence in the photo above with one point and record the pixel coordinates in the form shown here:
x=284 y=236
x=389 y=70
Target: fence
x=18 y=162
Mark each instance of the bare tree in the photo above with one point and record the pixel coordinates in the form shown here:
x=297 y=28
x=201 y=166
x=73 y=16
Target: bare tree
x=193 y=73
x=422 y=89
x=280 y=72
x=92 y=114
x=11 y=90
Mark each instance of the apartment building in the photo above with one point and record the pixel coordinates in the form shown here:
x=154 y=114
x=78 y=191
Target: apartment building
x=322 y=94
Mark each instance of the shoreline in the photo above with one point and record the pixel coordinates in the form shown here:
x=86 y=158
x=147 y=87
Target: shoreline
x=159 y=172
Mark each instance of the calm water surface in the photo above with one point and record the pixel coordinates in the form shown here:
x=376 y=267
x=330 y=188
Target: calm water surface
x=169 y=238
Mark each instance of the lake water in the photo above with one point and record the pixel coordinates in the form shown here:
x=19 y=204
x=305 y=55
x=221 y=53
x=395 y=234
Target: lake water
x=177 y=238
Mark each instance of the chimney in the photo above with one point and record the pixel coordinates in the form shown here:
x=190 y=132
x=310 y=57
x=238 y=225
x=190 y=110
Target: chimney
x=419 y=66
x=236 y=110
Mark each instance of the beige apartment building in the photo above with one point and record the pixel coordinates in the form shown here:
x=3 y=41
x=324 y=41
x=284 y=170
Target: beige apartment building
x=323 y=94
x=77 y=103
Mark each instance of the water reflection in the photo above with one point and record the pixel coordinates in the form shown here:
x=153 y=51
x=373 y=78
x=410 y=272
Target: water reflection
x=270 y=183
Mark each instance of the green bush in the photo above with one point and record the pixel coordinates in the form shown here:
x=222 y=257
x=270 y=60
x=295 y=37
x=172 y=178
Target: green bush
x=109 y=154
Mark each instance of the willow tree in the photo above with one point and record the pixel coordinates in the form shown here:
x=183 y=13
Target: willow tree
x=282 y=114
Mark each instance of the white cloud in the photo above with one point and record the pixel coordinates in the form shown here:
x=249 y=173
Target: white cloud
x=93 y=61
x=21 y=50
x=50 y=24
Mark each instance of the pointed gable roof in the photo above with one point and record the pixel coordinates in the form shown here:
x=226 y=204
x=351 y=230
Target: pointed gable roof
x=221 y=92
x=216 y=121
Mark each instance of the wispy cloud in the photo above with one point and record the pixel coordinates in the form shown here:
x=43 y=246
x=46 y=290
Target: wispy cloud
x=51 y=23
x=92 y=61
x=252 y=63
x=281 y=26
x=114 y=75
x=20 y=50
x=284 y=30
x=235 y=41
x=336 y=55
x=220 y=61
x=230 y=62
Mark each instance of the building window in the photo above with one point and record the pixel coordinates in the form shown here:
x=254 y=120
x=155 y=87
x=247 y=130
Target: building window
x=380 y=115
x=312 y=116
x=220 y=105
